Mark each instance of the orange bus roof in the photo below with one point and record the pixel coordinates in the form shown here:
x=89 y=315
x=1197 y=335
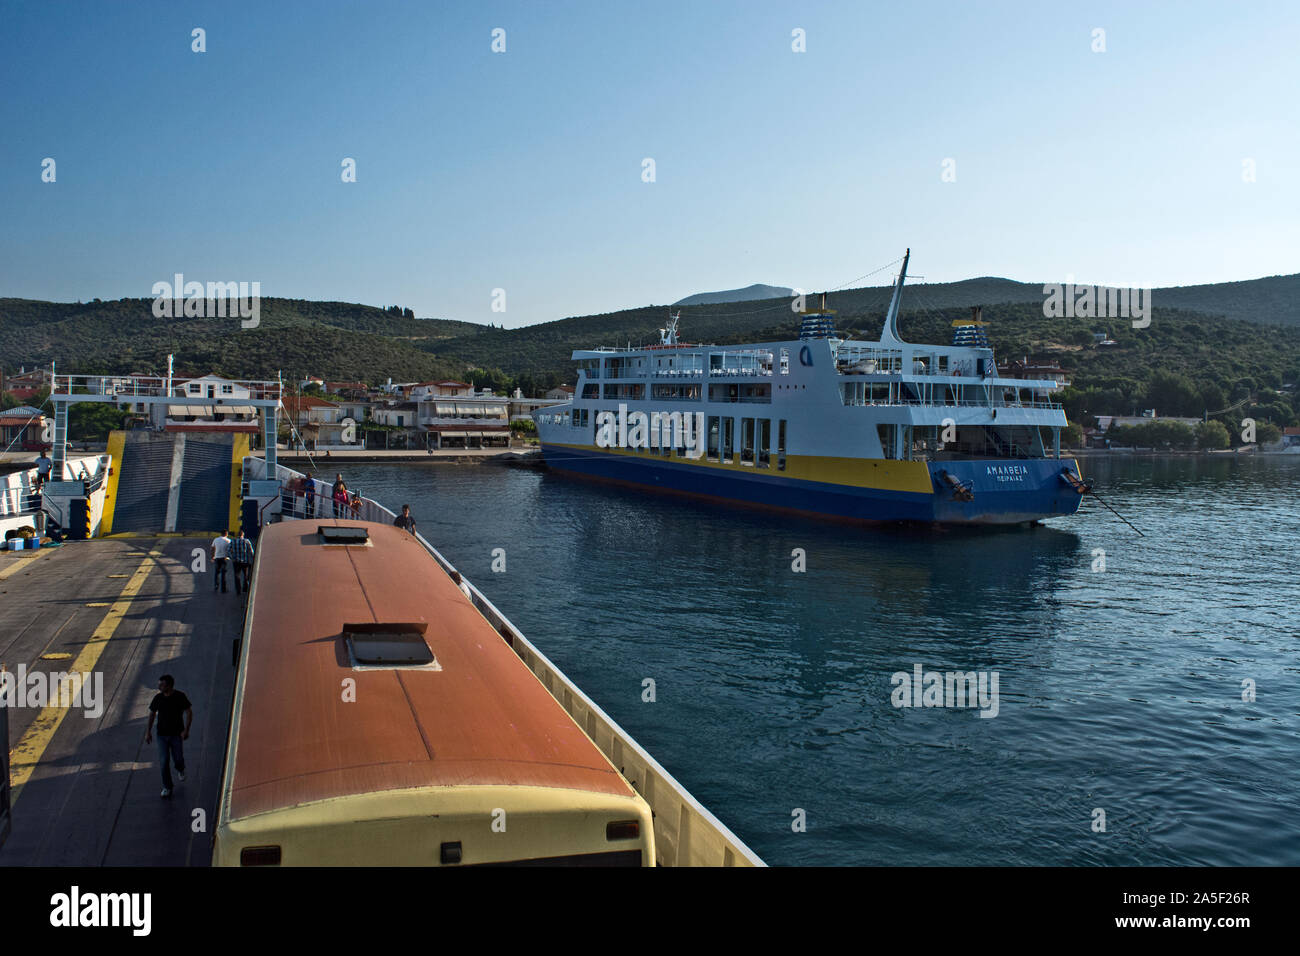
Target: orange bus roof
x=484 y=719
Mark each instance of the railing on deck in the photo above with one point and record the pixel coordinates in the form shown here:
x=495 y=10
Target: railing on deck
x=686 y=834
x=18 y=501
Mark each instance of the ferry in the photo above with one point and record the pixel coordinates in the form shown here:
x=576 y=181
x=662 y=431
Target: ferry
x=873 y=431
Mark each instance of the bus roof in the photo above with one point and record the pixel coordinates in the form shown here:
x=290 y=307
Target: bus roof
x=483 y=719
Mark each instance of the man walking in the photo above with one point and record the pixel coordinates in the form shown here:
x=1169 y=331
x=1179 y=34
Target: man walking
x=404 y=520
x=169 y=705
x=241 y=552
x=220 y=557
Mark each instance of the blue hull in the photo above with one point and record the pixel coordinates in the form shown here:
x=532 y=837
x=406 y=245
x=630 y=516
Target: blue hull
x=1004 y=492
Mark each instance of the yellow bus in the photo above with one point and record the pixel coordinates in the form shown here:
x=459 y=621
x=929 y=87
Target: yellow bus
x=379 y=719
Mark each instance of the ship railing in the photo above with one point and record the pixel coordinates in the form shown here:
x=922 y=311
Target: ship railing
x=18 y=501
x=686 y=833
x=153 y=386
x=967 y=403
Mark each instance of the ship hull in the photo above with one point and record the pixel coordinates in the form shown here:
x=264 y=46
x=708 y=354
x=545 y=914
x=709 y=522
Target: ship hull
x=1004 y=491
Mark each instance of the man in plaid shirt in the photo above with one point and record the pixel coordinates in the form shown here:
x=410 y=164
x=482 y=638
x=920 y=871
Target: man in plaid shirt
x=241 y=552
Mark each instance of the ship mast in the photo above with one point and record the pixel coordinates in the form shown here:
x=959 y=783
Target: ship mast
x=889 y=334
x=668 y=335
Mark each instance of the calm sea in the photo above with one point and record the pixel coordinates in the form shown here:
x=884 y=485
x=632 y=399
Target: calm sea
x=1120 y=690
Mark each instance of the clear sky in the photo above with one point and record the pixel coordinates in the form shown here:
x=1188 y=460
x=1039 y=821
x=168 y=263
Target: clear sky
x=522 y=170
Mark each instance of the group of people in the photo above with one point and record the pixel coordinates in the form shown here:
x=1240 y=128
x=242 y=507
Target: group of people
x=300 y=497
x=225 y=549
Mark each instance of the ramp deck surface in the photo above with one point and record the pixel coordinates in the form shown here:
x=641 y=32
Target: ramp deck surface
x=88 y=789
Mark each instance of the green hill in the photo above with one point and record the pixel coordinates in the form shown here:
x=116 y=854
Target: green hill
x=1206 y=347
x=335 y=339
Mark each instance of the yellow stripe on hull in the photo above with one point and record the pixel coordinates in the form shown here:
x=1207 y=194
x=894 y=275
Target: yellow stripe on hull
x=882 y=475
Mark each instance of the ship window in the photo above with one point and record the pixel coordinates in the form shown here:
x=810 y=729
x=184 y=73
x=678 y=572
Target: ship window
x=389 y=645
x=728 y=438
x=747 y=441
x=713 y=438
x=780 y=445
x=764 y=442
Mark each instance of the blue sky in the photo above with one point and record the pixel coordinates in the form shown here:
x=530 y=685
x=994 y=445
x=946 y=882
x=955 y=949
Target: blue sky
x=523 y=170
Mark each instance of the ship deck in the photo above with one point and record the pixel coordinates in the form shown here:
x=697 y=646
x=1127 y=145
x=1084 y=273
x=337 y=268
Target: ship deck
x=87 y=789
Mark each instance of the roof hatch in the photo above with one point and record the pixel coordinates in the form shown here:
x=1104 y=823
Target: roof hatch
x=335 y=534
x=384 y=644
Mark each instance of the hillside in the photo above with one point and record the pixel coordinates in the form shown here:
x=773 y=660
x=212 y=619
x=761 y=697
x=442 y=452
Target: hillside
x=747 y=294
x=1214 y=358
x=334 y=339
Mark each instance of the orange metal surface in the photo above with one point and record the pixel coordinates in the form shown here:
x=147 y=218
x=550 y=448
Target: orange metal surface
x=484 y=719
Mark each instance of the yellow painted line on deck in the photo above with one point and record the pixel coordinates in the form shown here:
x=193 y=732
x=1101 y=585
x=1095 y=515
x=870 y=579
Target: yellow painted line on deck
x=19 y=564
x=24 y=758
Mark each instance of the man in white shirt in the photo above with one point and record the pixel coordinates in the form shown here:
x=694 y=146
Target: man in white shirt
x=220 y=558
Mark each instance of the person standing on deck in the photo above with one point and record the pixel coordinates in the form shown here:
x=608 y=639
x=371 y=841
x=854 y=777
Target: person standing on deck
x=169 y=706
x=220 y=548
x=340 y=496
x=43 y=465
x=241 y=552
x=309 y=495
x=404 y=520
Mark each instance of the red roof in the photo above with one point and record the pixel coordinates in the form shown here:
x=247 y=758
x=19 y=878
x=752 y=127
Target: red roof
x=300 y=403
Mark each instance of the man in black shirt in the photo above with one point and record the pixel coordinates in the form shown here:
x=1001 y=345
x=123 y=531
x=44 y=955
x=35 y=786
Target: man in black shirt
x=169 y=705
x=404 y=520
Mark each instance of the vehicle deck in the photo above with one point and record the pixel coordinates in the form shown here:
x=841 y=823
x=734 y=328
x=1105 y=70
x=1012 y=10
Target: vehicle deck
x=87 y=789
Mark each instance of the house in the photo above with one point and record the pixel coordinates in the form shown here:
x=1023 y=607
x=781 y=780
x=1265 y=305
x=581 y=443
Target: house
x=22 y=427
x=1291 y=437
x=445 y=389
x=562 y=394
x=26 y=382
x=468 y=421
x=222 y=409
x=1039 y=371
x=320 y=424
x=354 y=390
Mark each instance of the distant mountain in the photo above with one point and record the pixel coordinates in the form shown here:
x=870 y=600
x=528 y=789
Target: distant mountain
x=747 y=294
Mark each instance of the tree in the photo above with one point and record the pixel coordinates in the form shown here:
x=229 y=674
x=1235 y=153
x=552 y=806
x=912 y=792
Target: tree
x=1172 y=394
x=1212 y=436
x=1268 y=434
x=92 y=421
x=1072 y=436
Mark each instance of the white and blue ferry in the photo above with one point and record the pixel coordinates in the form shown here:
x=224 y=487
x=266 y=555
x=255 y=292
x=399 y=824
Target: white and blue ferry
x=872 y=431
